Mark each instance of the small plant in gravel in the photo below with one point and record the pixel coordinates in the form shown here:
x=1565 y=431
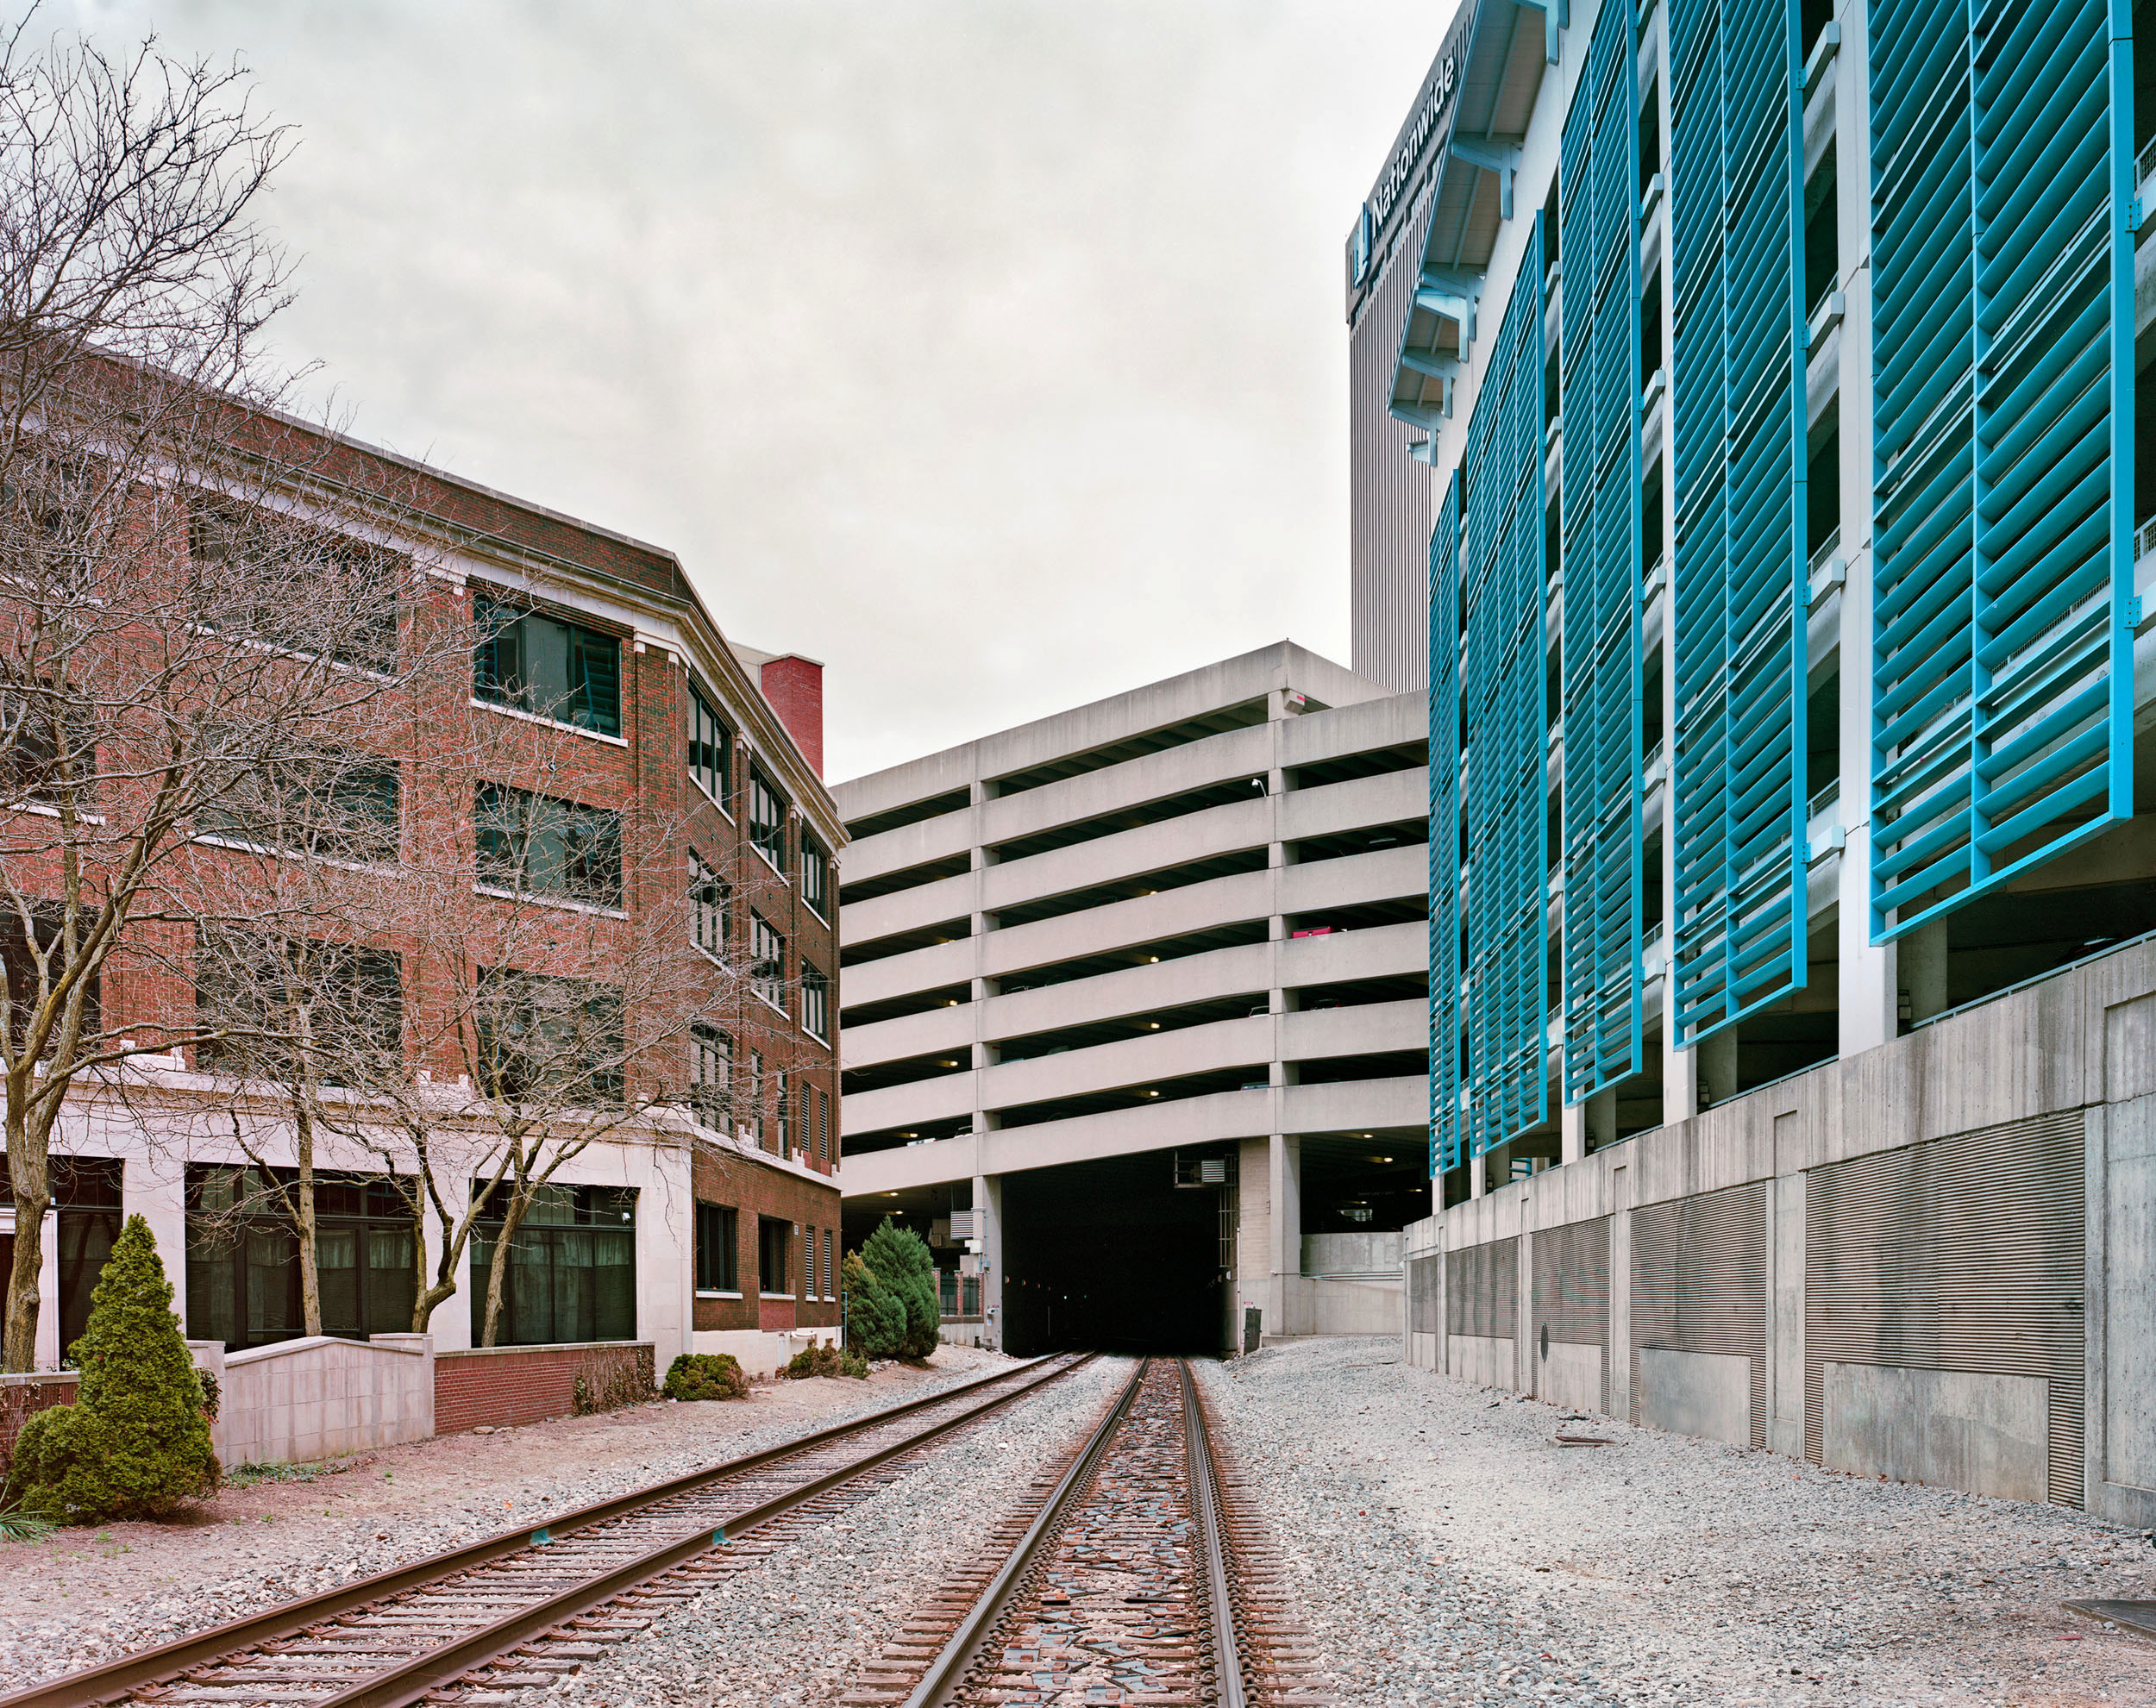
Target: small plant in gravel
x=135 y=1443
x=897 y=1261
x=821 y=1358
x=17 y=1525
x=706 y=1375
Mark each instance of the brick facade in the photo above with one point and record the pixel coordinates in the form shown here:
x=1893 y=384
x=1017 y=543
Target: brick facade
x=794 y=686
x=530 y=1383
x=810 y=1211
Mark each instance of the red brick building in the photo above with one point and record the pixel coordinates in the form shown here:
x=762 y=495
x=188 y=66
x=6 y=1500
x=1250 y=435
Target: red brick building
x=604 y=704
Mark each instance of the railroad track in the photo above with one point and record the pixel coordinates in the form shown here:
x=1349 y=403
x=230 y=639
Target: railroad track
x=475 y=1625
x=1140 y=1573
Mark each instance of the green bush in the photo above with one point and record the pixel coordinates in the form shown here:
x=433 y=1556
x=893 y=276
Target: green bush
x=706 y=1375
x=821 y=1358
x=900 y=1259
x=135 y=1443
x=875 y=1316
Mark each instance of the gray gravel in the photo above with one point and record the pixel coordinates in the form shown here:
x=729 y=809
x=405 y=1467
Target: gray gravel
x=1449 y=1551
x=240 y=1573
x=796 y=1629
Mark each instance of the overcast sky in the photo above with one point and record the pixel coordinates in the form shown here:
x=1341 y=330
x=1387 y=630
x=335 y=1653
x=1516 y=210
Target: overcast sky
x=990 y=351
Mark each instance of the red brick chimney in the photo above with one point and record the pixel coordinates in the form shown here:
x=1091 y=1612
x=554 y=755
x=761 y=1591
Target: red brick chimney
x=794 y=686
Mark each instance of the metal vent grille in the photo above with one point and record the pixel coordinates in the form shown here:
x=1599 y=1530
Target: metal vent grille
x=1503 y=697
x=1598 y=357
x=1448 y=1148
x=1482 y=1289
x=1738 y=455
x=1699 y=1283
x=1964 y=1254
x=2003 y=429
x=1570 y=1288
x=1422 y=1294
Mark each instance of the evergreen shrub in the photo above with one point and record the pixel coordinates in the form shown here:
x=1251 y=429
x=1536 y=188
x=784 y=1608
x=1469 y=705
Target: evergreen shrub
x=875 y=1316
x=706 y=1375
x=900 y=1259
x=135 y=1443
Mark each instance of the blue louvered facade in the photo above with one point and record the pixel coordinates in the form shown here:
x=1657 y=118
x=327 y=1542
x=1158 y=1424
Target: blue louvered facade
x=1738 y=444
x=2002 y=196
x=1599 y=372
x=1448 y=1138
x=1837 y=394
x=1504 y=711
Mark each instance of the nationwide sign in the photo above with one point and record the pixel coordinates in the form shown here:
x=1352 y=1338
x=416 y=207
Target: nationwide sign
x=1379 y=208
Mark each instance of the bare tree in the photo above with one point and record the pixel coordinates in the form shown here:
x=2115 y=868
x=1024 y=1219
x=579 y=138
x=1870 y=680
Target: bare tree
x=176 y=619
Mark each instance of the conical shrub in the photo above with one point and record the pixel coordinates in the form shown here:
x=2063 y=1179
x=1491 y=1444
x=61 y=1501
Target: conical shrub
x=901 y=1261
x=135 y=1443
x=875 y=1316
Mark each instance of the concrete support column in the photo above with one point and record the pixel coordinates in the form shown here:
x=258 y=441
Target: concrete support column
x=1477 y=1176
x=1923 y=969
x=1572 y=1132
x=1785 y=1309
x=1620 y=1352
x=155 y=1188
x=1284 y=1174
x=1715 y=1066
x=987 y=1199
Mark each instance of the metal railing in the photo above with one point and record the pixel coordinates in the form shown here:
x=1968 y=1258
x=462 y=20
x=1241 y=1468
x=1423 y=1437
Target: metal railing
x=959 y=1296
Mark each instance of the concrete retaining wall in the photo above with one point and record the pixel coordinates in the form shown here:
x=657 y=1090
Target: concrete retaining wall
x=1998 y=1164
x=316 y=1397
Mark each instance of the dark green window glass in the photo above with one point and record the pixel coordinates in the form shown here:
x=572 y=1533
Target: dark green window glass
x=546 y=666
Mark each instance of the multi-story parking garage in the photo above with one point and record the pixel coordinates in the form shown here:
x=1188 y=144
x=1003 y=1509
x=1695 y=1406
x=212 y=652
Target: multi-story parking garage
x=1779 y=375
x=1137 y=992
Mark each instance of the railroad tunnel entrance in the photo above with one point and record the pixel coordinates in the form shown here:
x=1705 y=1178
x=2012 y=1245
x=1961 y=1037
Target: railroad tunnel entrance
x=1112 y=1256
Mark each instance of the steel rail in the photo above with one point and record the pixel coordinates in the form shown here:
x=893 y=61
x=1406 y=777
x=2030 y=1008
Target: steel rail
x=1205 y=1490
x=115 y=1679
x=947 y=1670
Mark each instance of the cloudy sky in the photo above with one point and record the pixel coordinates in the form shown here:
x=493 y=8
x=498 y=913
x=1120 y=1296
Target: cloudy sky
x=989 y=350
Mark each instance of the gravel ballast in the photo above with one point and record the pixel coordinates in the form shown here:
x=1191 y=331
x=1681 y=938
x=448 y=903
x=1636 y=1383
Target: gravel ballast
x=1446 y=1549
x=84 y=1596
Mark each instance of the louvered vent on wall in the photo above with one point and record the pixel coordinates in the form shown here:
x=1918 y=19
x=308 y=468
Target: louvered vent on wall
x=1570 y=1290
x=1598 y=179
x=2002 y=442
x=1482 y=1289
x=1738 y=442
x=1699 y=1283
x=1963 y=1254
x=1424 y=1277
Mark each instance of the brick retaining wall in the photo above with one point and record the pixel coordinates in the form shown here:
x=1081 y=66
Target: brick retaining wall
x=21 y=1396
x=529 y=1384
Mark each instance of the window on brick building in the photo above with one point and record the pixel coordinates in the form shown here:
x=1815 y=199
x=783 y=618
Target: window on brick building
x=755 y=1112
x=830 y=1280
x=784 y=1123
x=546 y=666
x=816 y=876
x=709 y=896
x=571 y=1269
x=710 y=750
x=86 y=1212
x=20 y=957
x=809 y=1255
x=718 y=1258
x=767 y=961
x=243 y=1255
x=537 y=845
x=767 y=819
x=772 y=1237
x=816 y=1003
x=712 y=1077
x=541 y=1036
x=294 y=1007
x=332 y=805
x=48 y=748
x=245 y=564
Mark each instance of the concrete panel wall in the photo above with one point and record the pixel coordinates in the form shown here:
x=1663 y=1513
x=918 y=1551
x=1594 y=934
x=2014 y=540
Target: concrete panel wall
x=1696 y=1393
x=1569 y=1373
x=1986 y=1434
x=316 y=1397
x=1492 y=1361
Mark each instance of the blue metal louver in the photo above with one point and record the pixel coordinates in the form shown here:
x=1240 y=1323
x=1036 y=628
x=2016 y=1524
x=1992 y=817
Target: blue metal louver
x=1505 y=716
x=2003 y=282
x=1738 y=578
x=1447 y=1146
x=1599 y=364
